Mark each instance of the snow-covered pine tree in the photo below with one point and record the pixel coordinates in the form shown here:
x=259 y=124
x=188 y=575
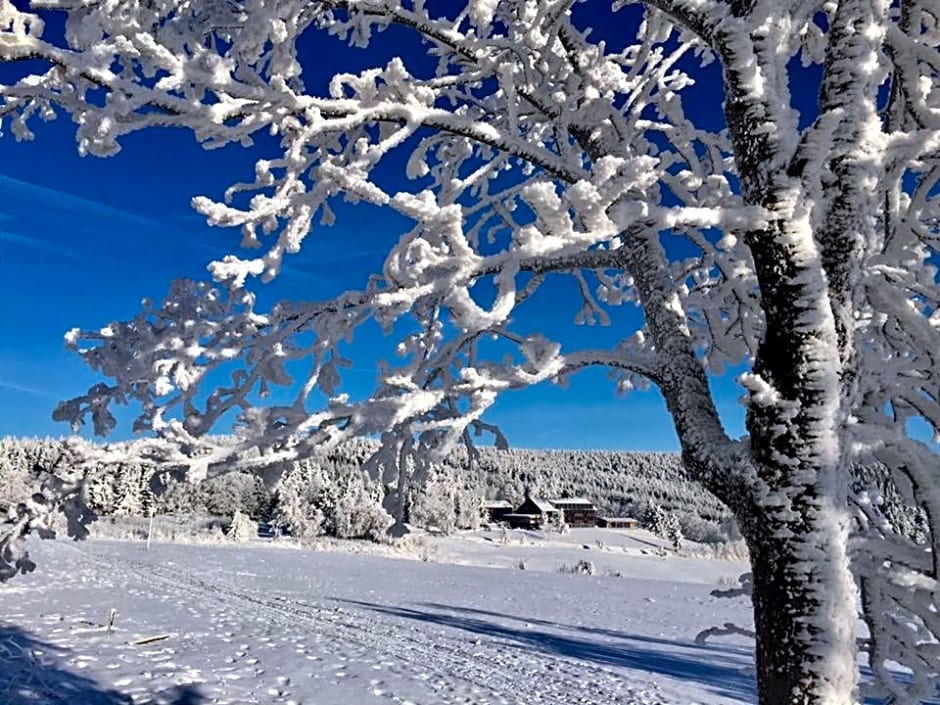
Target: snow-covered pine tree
x=674 y=532
x=559 y=524
x=664 y=524
x=296 y=509
x=791 y=234
x=654 y=519
x=16 y=479
x=242 y=528
x=130 y=489
x=235 y=492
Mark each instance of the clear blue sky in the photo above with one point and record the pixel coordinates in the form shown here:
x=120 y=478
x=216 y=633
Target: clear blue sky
x=83 y=240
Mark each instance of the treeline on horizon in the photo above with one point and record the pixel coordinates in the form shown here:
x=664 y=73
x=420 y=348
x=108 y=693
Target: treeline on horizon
x=328 y=494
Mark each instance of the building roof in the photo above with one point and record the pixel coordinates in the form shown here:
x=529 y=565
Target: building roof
x=572 y=500
x=497 y=504
x=542 y=504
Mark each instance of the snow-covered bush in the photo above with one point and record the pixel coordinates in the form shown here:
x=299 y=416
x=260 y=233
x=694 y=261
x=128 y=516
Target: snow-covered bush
x=358 y=514
x=170 y=529
x=694 y=528
x=582 y=567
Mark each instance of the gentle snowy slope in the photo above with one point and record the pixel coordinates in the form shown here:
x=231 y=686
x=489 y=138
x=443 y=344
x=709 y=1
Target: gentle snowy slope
x=262 y=624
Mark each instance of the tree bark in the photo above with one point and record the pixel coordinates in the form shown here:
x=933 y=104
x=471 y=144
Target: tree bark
x=804 y=613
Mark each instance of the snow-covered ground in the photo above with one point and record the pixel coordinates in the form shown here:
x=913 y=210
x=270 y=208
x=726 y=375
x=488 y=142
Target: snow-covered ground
x=263 y=623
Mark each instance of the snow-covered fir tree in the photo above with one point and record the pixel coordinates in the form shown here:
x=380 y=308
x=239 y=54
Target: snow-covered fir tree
x=297 y=509
x=791 y=235
x=131 y=490
x=236 y=492
x=664 y=524
x=242 y=528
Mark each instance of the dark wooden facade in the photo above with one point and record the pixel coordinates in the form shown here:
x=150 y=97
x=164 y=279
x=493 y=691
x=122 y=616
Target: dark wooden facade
x=523 y=521
x=577 y=512
x=533 y=513
x=495 y=511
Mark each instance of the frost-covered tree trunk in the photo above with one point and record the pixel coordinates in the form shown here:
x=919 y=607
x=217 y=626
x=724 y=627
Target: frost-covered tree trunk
x=804 y=619
x=807 y=263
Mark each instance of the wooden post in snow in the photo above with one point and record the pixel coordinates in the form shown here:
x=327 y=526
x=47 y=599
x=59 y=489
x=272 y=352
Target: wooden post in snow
x=150 y=529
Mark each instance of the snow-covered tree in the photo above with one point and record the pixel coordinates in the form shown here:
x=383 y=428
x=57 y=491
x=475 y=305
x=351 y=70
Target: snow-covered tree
x=674 y=533
x=434 y=506
x=664 y=524
x=236 y=492
x=450 y=498
x=296 y=509
x=242 y=528
x=794 y=234
x=318 y=496
x=130 y=490
x=18 y=461
x=181 y=499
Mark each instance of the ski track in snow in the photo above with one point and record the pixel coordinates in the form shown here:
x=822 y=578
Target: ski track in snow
x=239 y=637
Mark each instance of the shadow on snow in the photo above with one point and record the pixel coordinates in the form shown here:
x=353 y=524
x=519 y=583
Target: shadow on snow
x=720 y=669
x=30 y=674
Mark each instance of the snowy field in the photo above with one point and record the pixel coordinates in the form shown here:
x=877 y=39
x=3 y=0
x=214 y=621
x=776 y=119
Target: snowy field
x=263 y=623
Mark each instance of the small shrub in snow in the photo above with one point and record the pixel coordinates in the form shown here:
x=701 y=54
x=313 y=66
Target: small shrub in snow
x=582 y=567
x=726 y=551
x=696 y=529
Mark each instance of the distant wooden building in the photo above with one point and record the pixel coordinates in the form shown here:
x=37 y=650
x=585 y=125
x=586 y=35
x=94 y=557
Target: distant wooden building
x=576 y=511
x=496 y=510
x=523 y=521
x=533 y=513
x=617 y=522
